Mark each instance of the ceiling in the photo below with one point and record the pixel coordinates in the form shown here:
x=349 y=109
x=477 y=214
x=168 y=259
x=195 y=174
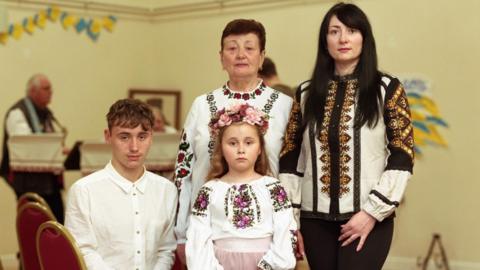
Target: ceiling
x=159 y=9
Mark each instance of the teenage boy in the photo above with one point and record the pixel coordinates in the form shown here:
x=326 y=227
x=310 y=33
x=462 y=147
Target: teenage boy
x=122 y=217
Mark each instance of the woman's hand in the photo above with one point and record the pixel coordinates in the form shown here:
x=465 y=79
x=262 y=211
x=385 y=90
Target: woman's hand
x=300 y=252
x=360 y=225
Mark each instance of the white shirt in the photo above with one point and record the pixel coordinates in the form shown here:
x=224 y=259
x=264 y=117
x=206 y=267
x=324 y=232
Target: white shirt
x=256 y=209
x=17 y=124
x=118 y=224
x=193 y=161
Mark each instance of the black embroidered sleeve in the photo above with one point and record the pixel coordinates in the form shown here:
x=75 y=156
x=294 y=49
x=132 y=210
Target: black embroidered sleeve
x=399 y=128
x=293 y=139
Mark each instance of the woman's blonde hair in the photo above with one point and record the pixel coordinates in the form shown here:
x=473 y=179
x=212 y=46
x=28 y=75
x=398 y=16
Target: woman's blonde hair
x=218 y=164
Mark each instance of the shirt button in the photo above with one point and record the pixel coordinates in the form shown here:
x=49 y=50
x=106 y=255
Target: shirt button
x=134 y=194
x=138 y=251
x=136 y=213
x=138 y=232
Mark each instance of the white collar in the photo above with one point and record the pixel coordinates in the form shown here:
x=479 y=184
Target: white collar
x=125 y=184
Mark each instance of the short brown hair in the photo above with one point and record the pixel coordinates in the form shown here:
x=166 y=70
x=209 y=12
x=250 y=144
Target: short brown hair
x=130 y=113
x=219 y=166
x=243 y=26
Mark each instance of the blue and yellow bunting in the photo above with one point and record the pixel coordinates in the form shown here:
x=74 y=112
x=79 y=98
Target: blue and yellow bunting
x=91 y=26
x=15 y=31
x=53 y=13
x=426 y=118
x=28 y=25
x=109 y=22
x=4 y=38
x=81 y=25
x=40 y=19
x=93 y=29
x=68 y=20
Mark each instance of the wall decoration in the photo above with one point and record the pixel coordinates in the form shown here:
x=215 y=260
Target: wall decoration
x=91 y=26
x=426 y=116
x=40 y=19
x=3 y=38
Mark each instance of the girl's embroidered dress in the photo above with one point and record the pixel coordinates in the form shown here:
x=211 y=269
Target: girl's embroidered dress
x=241 y=226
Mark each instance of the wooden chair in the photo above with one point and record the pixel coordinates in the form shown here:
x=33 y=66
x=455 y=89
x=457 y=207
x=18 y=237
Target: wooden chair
x=29 y=218
x=56 y=248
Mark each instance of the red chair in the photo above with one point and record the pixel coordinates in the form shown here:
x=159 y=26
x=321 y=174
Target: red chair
x=31 y=197
x=29 y=218
x=56 y=248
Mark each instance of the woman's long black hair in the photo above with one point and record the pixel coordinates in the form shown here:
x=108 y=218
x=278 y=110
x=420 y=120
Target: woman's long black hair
x=369 y=98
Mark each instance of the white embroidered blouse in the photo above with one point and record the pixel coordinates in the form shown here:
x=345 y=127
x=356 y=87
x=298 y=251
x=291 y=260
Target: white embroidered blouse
x=256 y=209
x=193 y=160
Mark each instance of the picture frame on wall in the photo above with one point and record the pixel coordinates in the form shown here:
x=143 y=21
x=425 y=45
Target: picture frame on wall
x=169 y=102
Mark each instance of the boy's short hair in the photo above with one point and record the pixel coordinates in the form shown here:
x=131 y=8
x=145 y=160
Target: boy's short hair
x=129 y=113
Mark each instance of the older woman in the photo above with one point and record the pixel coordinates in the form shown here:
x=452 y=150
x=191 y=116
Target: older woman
x=242 y=54
x=349 y=151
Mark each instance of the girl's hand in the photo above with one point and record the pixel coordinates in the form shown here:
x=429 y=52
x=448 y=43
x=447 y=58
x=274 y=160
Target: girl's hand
x=300 y=252
x=181 y=253
x=360 y=225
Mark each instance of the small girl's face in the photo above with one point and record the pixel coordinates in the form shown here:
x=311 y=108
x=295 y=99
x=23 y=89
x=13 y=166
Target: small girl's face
x=241 y=147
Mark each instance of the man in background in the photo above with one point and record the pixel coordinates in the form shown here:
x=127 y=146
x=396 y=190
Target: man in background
x=27 y=116
x=268 y=73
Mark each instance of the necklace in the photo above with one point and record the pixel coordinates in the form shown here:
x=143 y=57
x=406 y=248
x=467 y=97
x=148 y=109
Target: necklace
x=245 y=96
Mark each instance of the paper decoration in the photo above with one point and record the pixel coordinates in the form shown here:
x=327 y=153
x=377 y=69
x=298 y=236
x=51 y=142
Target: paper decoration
x=426 y=118
x=109 y=22
x=68 y=20
x=81 y=25
x=28 y=25
x=93 y=29
x=16 y=31
x=53 y=13
x=40 y=19
x=3 y=38
x=91 y=26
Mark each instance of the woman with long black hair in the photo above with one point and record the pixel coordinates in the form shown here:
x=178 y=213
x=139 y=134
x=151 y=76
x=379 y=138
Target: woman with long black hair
x=348 y=151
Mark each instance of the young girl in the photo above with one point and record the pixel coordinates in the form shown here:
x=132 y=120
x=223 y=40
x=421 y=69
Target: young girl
x=241 y=219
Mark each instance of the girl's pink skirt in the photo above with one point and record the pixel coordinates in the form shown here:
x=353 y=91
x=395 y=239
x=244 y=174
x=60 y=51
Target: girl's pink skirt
x=241 y=253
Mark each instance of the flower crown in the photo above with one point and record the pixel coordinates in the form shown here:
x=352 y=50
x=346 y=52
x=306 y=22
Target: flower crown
x=241 y=112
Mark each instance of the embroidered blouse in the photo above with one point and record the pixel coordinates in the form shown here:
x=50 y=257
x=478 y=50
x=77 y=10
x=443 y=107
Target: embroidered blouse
x=193 y=160
x=345 y=169
x=256 y=209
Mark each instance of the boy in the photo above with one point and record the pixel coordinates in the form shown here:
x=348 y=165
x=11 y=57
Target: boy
x=122 y=217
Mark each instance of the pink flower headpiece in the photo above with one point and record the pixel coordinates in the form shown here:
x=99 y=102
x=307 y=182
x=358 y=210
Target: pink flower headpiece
x=241 y=112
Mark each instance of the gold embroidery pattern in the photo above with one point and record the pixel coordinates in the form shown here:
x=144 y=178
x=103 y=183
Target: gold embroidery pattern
x=400 y=122
x=323 y=137
x=292 y=129
x=344 y=138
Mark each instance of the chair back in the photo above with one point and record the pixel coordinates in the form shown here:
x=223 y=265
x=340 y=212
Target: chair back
x=31 y=197
x=29 y=218
x=56 y=248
